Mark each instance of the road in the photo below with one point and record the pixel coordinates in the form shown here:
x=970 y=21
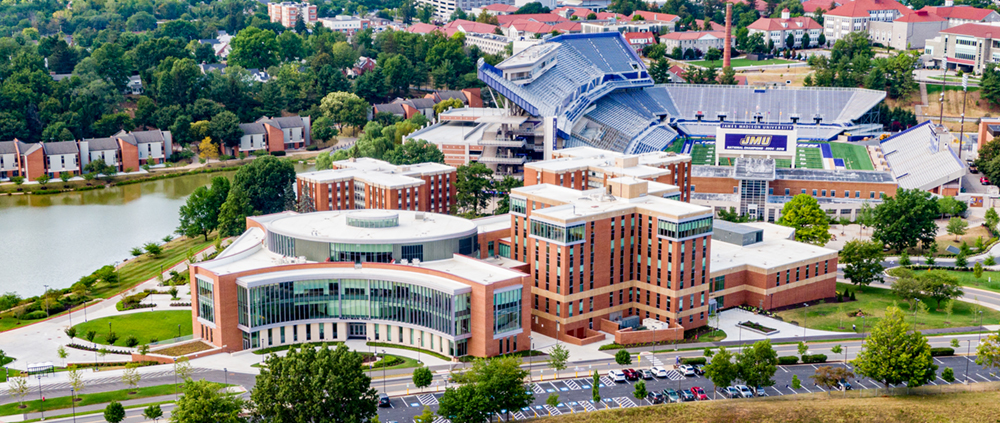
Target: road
x=575 y=394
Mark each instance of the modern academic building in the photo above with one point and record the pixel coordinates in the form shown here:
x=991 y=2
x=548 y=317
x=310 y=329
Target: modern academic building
x=400 y=277
x=365 y=183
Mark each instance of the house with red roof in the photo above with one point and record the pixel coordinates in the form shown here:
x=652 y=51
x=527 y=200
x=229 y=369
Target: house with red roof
x=968 y=47
x=582 y=13
x=760 y=5
x=699 y=41
x=462 y=25
x=547 y=18
x=958 y=15
x=638 y=40
x=422 y=28
x=855 y=16
x=496 y=9
x=907 y=32
x=699 y=25
x=778 y=29
x=810 y=7
x=526 y=28
x=655 y=17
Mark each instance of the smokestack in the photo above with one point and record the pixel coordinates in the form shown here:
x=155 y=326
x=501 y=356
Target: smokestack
x=728 y=48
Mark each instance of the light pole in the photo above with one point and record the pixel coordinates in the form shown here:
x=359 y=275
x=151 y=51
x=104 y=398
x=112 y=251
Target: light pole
x=226 y=374
x=178 y=331
x=531 y=361
x=72 y=400
x=805 y=319
x=944 y=78
x=383 y=374
x=41 y=399
x=968 y=354
x=46 y=300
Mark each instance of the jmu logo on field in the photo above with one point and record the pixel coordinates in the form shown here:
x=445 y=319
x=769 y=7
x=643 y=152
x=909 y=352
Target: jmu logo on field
x=756 y=141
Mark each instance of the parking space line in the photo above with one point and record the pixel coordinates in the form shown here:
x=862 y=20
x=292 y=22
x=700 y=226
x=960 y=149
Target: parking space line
x=783 y=369
x=820 y=388
x=945 y=381
x=984 y=378
x=587 y=406
x=807 y=389
x=776 y=390
x=938 y=361
x=571 y=384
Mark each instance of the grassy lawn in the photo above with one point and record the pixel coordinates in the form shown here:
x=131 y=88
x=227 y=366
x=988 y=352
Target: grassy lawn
x=931 y=88
x=703 y=154
x=407 y=363
x=809 y=158
x=86 y=399
x=874 y=301
x=145 y=267
x=675 y=147
x=961 y=407
x=3 y=374
x=161 y=325
x=740 y=63
x=264 y=351
x=855 y=156
x=952 y=78
x=990 y=280
x=188 y=348
x=99 y=412
x=970 y=237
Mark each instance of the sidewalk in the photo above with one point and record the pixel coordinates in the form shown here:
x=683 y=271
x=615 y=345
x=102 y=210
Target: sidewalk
x=85 y=409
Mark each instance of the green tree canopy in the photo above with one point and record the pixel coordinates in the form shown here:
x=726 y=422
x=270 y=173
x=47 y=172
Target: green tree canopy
x=200 y=213
x=413 y=152
x=905 y=219
x=259 y=187
x=300 y=387
x=756 y=364
x=863 y=260
x=202 y=403
x=892 y=354
x=225 y=128
x=722 y=371
x=810 y=222
x=254 y=48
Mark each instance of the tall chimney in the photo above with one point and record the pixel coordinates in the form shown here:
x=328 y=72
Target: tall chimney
x=727 y=49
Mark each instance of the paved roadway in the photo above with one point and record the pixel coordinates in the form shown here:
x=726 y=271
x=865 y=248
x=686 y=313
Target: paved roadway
x=575 y=394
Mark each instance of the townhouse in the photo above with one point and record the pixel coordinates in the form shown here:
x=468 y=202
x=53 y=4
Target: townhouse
x=777 y=30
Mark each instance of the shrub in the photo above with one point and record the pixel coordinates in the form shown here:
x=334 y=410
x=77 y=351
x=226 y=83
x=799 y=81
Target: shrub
x=814 y=358
x=278 y=153
x=787 y=360
x=111 y=338
x=313 y=147
x=942 y=351
x=693 y=360
x=35 y=315
x=131 y=341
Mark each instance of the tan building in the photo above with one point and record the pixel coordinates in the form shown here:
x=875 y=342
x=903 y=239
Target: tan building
x=969 y=47
x=697 y=40
x=908 y=32
x=288 y=13
x=854 y=16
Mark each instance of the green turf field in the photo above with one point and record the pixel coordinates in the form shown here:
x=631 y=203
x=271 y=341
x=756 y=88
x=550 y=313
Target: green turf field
x=808 y=158
x=702 y=154
x=855 y=156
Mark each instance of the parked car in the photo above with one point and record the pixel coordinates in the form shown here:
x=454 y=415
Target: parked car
x=631 y=374
x=699 y=394
x=672 y=395
x=844 y=385
x=732 y=392
x=973 y=168
x=686 y=395
x=699 y=369
x=659 y=371
x=760 y=391
x=616 y=375
x=383 y=400
x=984 y=180
x=646 y=374
x=745 y=391
x=686 y=370
x=655 y=397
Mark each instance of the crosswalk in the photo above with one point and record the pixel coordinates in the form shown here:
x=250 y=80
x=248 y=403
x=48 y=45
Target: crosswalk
x=624 y=402
x=118 y=379
x=571 y=384
x=441 y=420
x=427 y=399
x=517 y=415
x=553 y=411
x=537 y=389
x=607 y=381
x=588 y=406
x=675 y=375
x=655 y=361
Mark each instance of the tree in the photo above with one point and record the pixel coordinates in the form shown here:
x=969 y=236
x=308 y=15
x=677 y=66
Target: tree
x=829 y=376
x=17 y=386
x=821 y=40
x=427 y=416
x=796 y=383
x=961 y=259
x=114 y=412
x=451 y=103
x=863 y=260
x=552 y=400
x=893 y=355
x=398 y=71
x=254 y=48
x=713 y=54
x=131 y=376
x=906 y=287
x=43 y=180
x=957 y=227
x=141 y=21
x=640 y=390
x=532 y=8
x=802 y=348
x=905 y=219
x=722 y=371
x=153 y=412
x=939 y=285
x=153 y=249
x=501 y=381
x=904 y=258
x=988 y=352
x=992 y=218
x=300 y=386
x=728 y=76
x=595 y=387
x=202 y=402
x=810 y=222
x=932 y=250
x=207 y=149
x=805 y=40
x=977 y=270
x=471 y=183
x=61 y=351
x=948 y=375
x=466 y=404
x=257 y=188
x=200 y=213
x=558 y=356
x=76 y=380
x=182 y=368
x=345 y=109
x=422 y=377
x=623 y=358
x=790 y=40
x=225 y=128
x=756 y=364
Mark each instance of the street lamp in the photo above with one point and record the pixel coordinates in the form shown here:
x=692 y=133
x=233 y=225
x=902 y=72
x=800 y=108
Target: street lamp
x=178 y=331
x=72 y=400
x=41 y=402
x=805 y=319
x=531 y=362
x=226 y=374
x=46 y=300
x=383 y=374
x=968 y=354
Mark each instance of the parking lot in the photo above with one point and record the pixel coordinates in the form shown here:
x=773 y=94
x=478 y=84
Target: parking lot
x=575 y=394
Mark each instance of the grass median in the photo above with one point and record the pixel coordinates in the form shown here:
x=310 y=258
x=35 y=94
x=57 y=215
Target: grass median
x=990 y=280
x=839 y=317
x=59 y=403
x=144 y=325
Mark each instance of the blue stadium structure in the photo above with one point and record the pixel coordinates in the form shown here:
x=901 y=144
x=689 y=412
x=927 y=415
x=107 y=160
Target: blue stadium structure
x=600 y=94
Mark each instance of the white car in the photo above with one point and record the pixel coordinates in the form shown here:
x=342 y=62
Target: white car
x=659 y=371
x=617 y=375
x=745 y=391
x=686 y=370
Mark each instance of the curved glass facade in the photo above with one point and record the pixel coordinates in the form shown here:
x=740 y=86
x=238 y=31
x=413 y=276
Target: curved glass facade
x=360 y=299
x=388 y=221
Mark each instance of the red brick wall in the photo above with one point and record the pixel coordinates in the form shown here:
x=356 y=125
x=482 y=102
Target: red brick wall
x=275 y=138
x=130 y=155
x=34 y=164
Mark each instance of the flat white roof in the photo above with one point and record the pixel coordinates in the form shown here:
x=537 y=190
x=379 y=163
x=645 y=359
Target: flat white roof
x=493 y=223
x=529 y=55
x=775 y=251
x=472 y=269
x=577 y=205
x=376 y=172
x=451 y=133
x=332 y=226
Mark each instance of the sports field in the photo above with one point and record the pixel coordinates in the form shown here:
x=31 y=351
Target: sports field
x=703 y=154
x=808 y=158
x=855 y=156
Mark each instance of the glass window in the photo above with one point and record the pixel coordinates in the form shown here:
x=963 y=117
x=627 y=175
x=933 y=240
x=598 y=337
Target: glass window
x=206 y=300
x=686 y=229
x=518 y=205
x=557 y=233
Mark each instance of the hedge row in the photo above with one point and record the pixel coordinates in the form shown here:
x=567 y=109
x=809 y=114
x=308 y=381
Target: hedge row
x=114 y=364
x=91 y=348
x=787 y=360
x=814 y=358
x=942 y=351
x=693 y=360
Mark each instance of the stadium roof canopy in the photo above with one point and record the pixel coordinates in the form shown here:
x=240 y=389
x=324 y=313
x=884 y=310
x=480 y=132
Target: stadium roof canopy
x=918 y=160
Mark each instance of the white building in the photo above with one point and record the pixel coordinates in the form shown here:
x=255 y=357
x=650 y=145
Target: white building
x=346 y=24
x=777 y=30
x=444 y=8
x=855 y=15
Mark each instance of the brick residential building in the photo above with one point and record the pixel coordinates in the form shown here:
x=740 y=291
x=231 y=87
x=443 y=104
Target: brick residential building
x=777 y=30
x=366 y=183
x=288 y=13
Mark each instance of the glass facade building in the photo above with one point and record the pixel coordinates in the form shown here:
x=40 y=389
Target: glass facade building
x=206 y=300
x=506 y=311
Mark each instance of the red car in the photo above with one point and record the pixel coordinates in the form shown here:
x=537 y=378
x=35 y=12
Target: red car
x=984 y=180
x=631 y=374
x=699 y=394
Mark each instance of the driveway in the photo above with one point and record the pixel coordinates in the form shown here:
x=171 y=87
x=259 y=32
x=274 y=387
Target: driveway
x=729 y=322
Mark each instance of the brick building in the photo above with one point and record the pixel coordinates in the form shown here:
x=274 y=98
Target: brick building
x=366 y=183
x=287 y=13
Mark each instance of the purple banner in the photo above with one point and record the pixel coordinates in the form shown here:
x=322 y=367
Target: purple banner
x=753 y=142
